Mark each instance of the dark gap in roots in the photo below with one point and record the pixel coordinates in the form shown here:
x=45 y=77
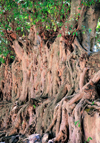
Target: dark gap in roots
x=50 y=41
x=57 y=86
x=17 y=130
x=80 y=37
x=27 y=117
x=83 y=133
x=27 y=44
x=68 y=43
x=21 y=118
x=48 y=45
x=34 y=111
x=2 y=84
x=66 y=48
x=98 y=87
x=71 y=49
x=67 y=134
x=51 y=135
x=20 y=43
x=27 y=98
x=31 y=129
x=11 y=61
x=1 y=95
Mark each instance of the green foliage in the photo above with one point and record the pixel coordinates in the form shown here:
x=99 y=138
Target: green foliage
x=79 y=125
x=75 y=33
x=26 y=13
x=59 y=35
x=2 y=60
x=58 y=53
x=34 y=106
x=98 y=26
x=98 y=32
x=4 y=51
x=89 y=2
x=19 y=15
x=89 y=138
x=93 y=103
x=76 y=122
x=90 y=30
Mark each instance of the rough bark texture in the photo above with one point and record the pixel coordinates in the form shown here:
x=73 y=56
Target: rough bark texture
x=53 y=90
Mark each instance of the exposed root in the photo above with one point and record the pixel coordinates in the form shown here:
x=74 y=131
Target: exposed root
x=54 y=77
x=72 y=113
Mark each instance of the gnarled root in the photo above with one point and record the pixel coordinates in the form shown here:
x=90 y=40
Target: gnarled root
x=69 y=113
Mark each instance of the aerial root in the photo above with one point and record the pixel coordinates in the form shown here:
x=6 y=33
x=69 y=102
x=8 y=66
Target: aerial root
x=62 y=134
x=58 y=119
x=52 y=124
x=69 y=112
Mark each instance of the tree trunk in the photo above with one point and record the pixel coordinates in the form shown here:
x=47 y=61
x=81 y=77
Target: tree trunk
x=57 y=84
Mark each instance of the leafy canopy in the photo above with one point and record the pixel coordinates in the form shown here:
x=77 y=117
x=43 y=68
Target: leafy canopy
x=19 y=15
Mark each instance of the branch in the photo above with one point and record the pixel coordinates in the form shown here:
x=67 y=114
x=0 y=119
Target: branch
x=18 y=50
x=96 y=77
x=82 y=93
x=82 y=78
x=79 y=46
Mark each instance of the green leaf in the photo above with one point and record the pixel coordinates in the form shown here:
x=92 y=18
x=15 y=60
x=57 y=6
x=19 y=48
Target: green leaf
x=92 y=102
x=70 y=28
x=76 y=122
x=83 y=32
x=90 y=30
x=62 y=10
x=12 y=57
x=79 y=8
x=79 y=14
x=6 y=25
x=2 y=33
x=76 y=34
x=5 y=54
x=20 y=16
x=34 y=106
x=59 y=35
x=58 y=53
x=46 y=26
x=1 y=12
x=60 y=24
x=18 y=28
x=43 y=20
x=3 y=61
x=90 y=138
x=49 y=11
x=79 y=125
x=73 y=33
x=54 y=28
x=49 y=4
